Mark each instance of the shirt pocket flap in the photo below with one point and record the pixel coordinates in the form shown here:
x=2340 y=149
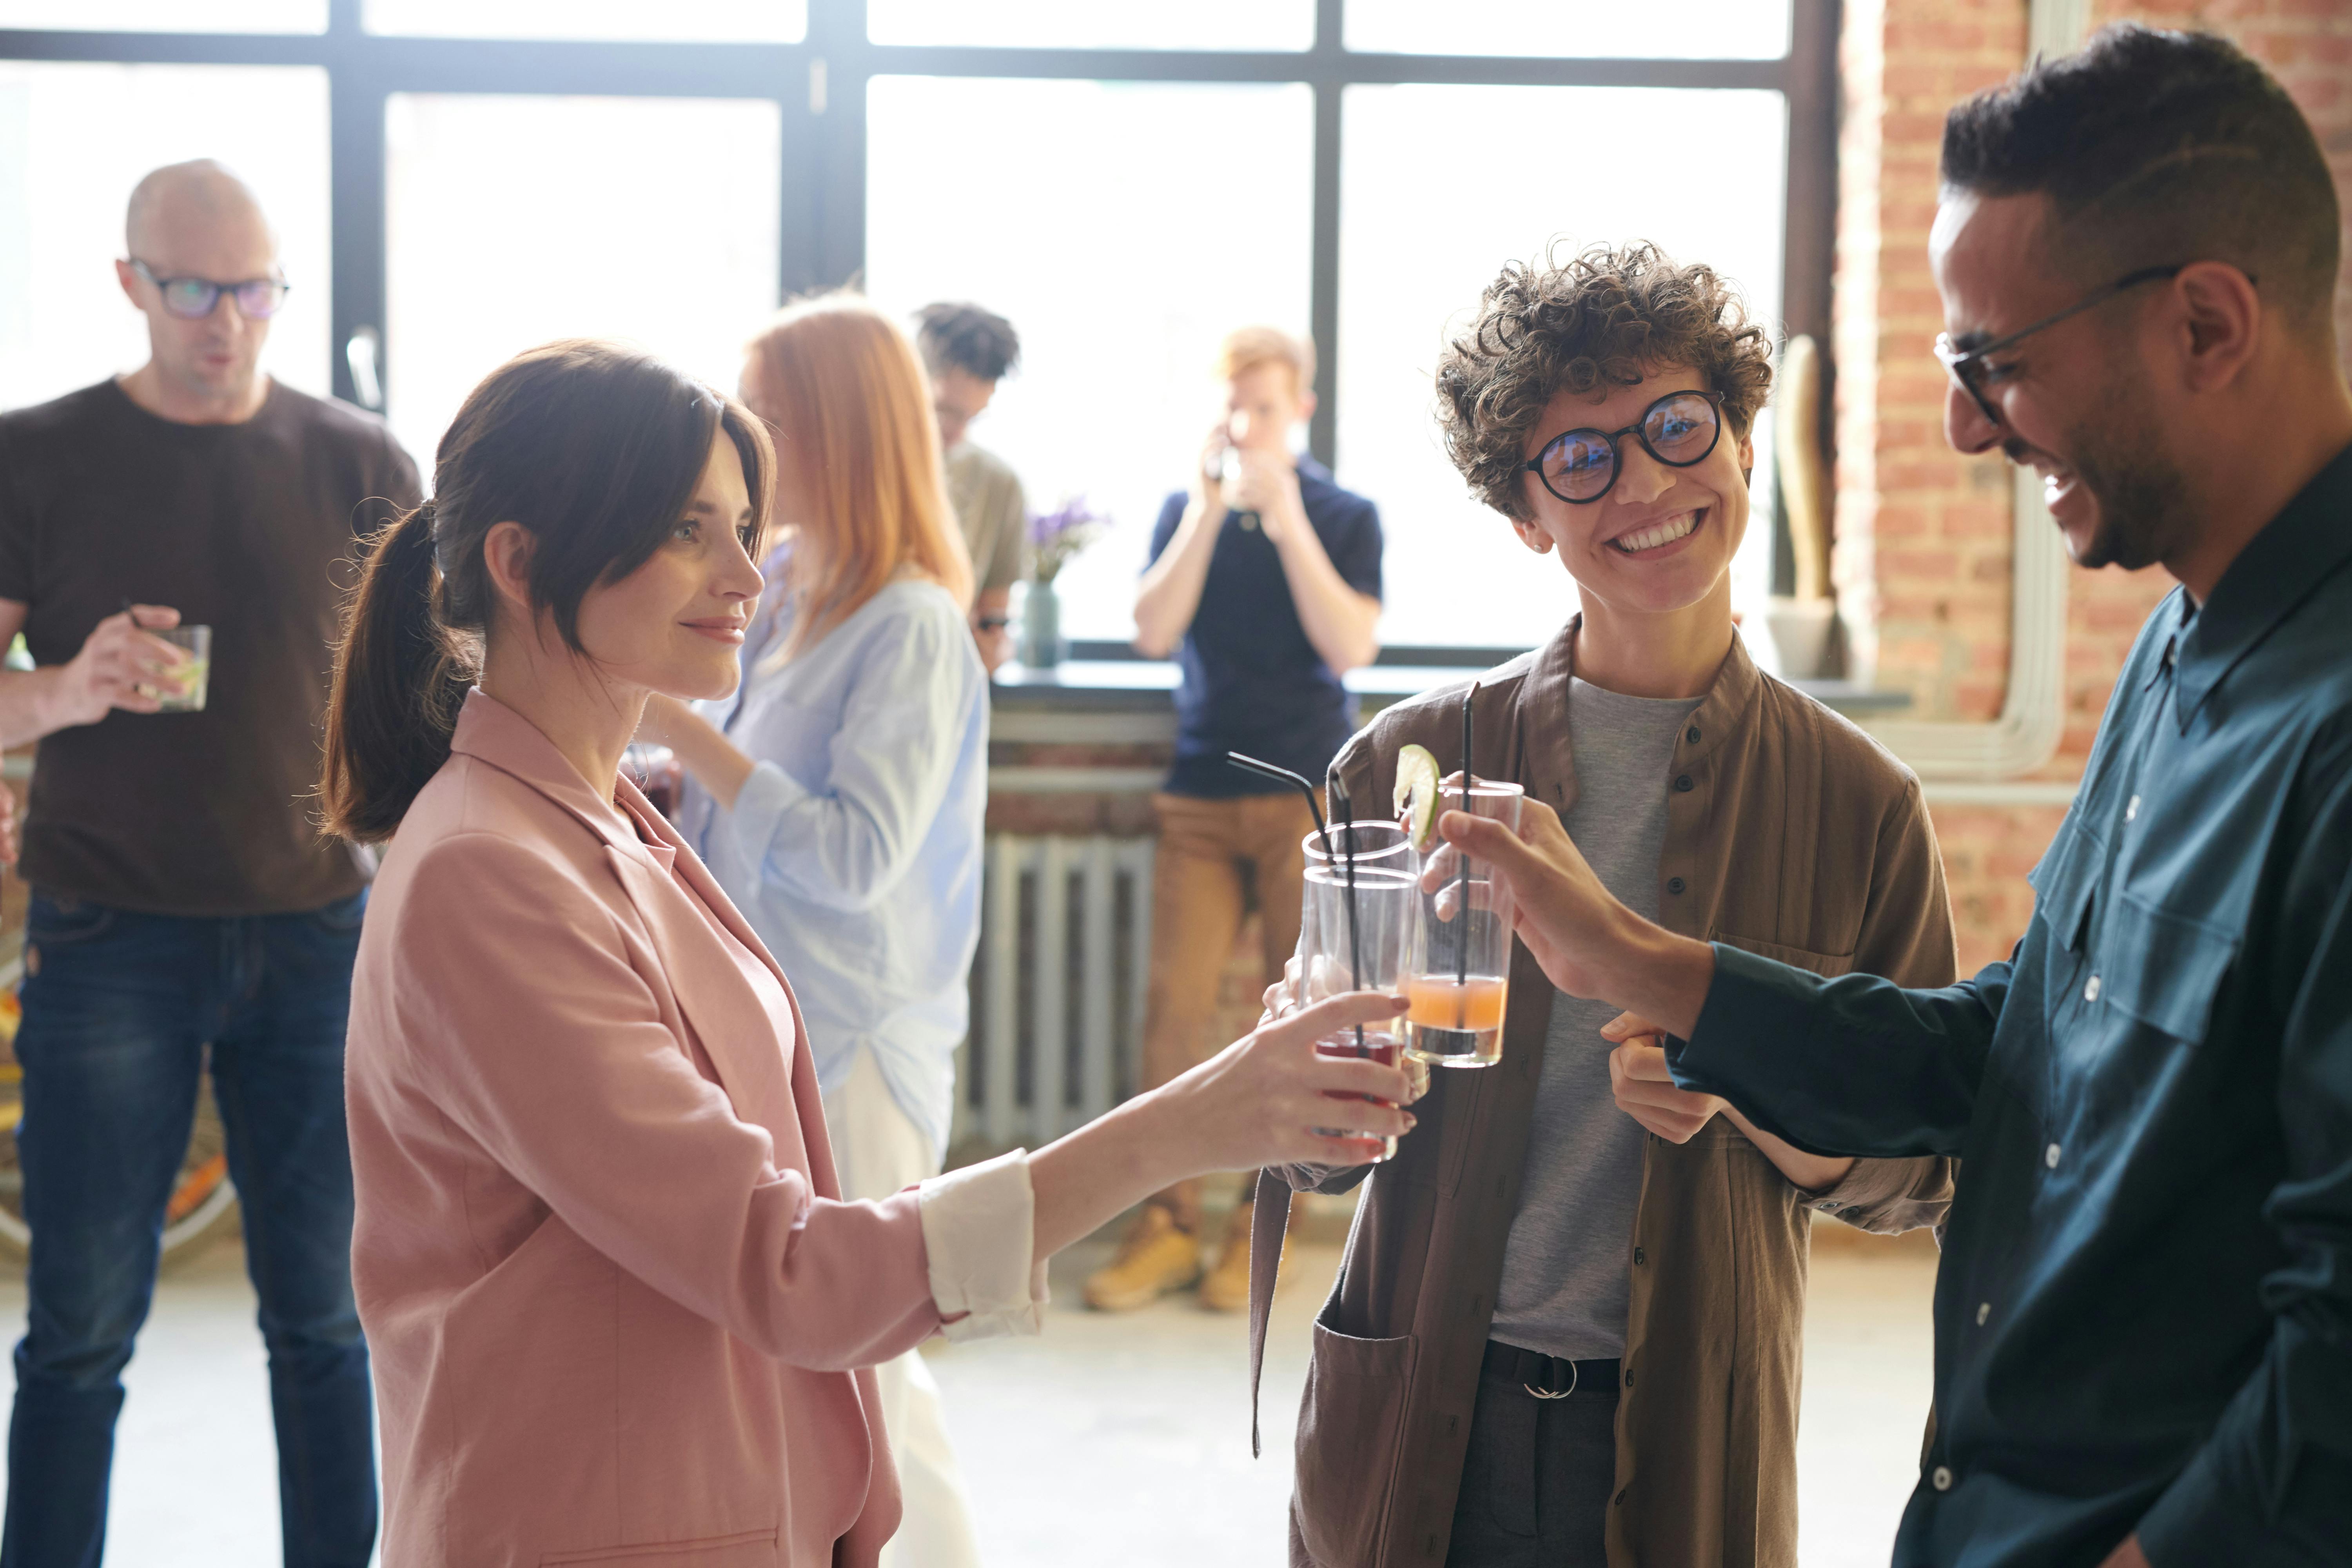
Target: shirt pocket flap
x=2064 y=879
x=2166 y=966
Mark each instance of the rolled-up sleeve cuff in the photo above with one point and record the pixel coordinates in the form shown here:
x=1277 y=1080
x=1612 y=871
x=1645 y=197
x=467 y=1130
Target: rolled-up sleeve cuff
x=759 y=809
x=979 y=1233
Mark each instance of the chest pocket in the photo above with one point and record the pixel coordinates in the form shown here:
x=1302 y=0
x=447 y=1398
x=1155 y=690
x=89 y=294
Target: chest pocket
x=2164 y=967
x=2064 y=881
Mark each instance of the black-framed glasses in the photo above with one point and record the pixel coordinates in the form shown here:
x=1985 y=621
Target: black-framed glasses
x=1679 y=430
x=1967 y=370
x=193 y=298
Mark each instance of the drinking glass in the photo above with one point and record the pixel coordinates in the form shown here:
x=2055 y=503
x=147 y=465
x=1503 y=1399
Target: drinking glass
x=1362 y=938
x=194 y=677
x=1459 y=986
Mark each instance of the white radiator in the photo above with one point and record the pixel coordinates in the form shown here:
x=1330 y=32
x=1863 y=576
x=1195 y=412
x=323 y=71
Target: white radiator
x=1057 y=988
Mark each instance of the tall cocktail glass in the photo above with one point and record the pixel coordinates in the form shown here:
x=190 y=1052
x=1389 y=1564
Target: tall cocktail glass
x=1358 y=938
x=1463 y=979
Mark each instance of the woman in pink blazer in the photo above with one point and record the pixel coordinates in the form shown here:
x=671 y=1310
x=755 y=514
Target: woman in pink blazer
x=617 y=1310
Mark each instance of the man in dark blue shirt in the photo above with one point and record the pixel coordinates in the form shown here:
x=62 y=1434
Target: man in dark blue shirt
x=1264 y=583
x=2144 y=1314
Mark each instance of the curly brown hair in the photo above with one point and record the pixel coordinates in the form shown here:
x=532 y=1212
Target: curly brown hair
x=1611 y=315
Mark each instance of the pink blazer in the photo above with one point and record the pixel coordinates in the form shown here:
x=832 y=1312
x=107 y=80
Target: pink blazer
x=612 y=1297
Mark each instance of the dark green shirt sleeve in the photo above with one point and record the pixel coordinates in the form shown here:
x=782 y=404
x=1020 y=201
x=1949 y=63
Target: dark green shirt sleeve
x=1853 y=1066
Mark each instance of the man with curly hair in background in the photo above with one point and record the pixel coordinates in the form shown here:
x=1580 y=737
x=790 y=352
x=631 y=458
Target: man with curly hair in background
x=1571 y=1322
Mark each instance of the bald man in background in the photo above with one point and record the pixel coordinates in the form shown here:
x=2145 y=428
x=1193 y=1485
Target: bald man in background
x=183 y=902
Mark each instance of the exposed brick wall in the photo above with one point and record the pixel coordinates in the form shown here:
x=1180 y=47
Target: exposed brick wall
x=1923 y=549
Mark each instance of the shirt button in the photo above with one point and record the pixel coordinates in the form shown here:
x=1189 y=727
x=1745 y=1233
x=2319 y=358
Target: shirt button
x=1638 y=1256
x=2050 y=1156
x=1683 y=783
x=1691 y=734
x=1629 y=1377
x=2091 y=989
x=1984 y=1311
x=2131 y=808
x=1942 y=1479
x=1675 y=884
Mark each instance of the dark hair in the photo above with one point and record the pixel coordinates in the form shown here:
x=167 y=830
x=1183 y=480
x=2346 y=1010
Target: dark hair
x=2158 y=148
x=1609 y=315
x=595 y=450
x=979 y=342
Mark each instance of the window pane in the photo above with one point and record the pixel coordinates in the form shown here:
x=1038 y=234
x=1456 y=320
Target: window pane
x=768 y=21
x=1587 y=29
x=168 y=15
x=1124 y=228
x=515 y=221
x=1409 y=270
x=74 y=139
x=1094 y=25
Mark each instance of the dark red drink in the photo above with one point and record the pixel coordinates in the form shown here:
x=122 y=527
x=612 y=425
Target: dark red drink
x=1384 y=1049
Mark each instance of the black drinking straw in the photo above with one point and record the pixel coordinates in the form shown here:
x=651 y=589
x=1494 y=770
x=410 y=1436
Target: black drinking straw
x=1355 y=943
x=1269 y=770
x=1461 y=878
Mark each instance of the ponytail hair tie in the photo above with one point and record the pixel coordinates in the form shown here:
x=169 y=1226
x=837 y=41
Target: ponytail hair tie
x=430 y=517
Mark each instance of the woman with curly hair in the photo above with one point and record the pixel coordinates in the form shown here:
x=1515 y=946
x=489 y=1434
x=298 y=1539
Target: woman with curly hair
x=1569 y=1325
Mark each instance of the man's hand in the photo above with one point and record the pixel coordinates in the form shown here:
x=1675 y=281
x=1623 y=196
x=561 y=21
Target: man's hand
x=119 y=666
x=2127 y=1555
x=8 y=837
x=1267 y=484
x=1644 y=1089
x=1588 y=944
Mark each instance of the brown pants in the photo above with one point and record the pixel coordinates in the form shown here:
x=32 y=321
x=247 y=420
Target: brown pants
x=1213 y=855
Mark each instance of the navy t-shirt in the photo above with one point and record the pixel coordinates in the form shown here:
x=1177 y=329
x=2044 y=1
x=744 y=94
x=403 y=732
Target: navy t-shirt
x=1251 y=681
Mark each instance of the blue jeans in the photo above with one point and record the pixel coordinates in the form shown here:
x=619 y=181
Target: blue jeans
x=118 y=1008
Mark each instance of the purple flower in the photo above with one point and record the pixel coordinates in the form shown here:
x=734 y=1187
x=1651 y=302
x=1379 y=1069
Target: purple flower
x=1055 y=536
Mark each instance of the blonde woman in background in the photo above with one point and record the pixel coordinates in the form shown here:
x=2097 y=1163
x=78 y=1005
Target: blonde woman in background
x=838 y=796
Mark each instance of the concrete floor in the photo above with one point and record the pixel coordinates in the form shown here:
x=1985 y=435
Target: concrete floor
x=1106 y=1439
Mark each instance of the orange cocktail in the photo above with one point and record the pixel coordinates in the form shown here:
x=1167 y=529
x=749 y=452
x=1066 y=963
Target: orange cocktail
x=1455 y=1023
x=1441 y=1002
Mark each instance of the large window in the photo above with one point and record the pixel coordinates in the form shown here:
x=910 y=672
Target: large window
x=515 y=221
x=1146 y=221
x=455 y=179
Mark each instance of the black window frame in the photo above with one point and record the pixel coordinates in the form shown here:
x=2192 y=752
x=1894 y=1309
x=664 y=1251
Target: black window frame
x=825 y=78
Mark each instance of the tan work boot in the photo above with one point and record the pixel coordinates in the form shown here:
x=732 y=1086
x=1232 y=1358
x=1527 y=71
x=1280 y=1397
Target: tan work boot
x=1154 y=1258
x=1226 y=1287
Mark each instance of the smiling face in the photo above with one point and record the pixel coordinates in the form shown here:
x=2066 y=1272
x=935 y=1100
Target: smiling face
x=2078 y=402
x=1663 y=538
x=675 y=625
x=958 y=397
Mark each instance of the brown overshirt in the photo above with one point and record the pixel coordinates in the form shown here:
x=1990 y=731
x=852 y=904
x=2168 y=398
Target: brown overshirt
x=1790 y=834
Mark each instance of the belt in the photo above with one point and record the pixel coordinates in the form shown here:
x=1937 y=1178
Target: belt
x=1549 y=1376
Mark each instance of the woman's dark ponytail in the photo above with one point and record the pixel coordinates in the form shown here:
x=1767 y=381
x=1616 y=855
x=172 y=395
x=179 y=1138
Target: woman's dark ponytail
x=594 y=449
x=400 y=678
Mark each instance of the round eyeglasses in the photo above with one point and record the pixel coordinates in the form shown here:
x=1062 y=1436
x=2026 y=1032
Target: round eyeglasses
x=193 y=298
x=1679 y=430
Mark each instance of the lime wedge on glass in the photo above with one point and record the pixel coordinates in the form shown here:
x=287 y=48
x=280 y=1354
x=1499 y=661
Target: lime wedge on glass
x=1416 y=796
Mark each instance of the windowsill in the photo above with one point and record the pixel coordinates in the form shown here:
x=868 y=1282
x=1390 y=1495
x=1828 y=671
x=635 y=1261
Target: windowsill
x=1135 y=685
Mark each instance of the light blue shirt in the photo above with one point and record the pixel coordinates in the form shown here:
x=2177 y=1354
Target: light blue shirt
x=854 y=847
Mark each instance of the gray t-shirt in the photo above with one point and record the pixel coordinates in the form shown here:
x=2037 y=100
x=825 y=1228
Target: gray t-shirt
x=985 y=495
x=1565 y=1282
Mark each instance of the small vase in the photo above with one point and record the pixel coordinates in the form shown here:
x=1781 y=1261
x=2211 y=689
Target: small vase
x=1041 y=645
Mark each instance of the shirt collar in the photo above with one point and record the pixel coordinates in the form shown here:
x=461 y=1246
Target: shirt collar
x=2283 y=564
x=491 y=731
